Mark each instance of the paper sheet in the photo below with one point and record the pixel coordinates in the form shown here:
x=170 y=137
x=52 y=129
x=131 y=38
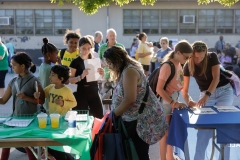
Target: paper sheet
x=203 y=111
x=93 y=65
x=18 y=122
x=227 y=108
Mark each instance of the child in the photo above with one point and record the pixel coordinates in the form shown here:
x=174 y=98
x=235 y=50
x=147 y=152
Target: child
x=61 y=98
x=23 y=101
x=49 y=52
x=71 y=39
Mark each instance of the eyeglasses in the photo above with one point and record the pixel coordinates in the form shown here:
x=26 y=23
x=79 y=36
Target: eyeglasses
x=186 y=57
x=200 y=47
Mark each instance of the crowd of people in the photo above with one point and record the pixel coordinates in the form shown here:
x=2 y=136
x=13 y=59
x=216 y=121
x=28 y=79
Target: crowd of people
x=129 y=72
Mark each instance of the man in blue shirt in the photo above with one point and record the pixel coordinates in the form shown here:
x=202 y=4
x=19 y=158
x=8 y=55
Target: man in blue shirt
x=97 y=40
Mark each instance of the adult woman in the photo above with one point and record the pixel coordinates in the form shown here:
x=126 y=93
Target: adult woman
x=164 y=43
x=87 y=94
x=71 y=39
x=215 y=89
x=144 y=52
x=129 y=93
x=180 y=55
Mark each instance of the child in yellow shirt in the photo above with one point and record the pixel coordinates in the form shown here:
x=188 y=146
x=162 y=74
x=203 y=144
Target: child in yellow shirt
x=61 y=98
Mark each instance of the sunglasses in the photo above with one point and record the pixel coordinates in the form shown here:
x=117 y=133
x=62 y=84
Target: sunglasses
x=186 y=57
x=200 y=47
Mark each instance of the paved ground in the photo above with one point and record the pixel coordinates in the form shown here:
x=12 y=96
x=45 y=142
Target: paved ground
x=154 y=149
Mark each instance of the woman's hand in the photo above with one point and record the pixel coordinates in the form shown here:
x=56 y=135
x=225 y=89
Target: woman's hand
x=85 y=72
x=179 y=105
x=192 y=104
x=202 y=101
x=100 y=71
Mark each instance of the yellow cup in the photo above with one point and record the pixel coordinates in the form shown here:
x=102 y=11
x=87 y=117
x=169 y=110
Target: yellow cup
x=42 y=120
x=55 y=120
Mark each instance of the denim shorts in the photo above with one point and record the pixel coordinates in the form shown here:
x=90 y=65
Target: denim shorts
x=221 y=96
x=2 y=78
x=168 y=107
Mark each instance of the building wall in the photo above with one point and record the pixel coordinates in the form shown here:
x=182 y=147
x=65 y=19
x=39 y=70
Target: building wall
x=91 y=23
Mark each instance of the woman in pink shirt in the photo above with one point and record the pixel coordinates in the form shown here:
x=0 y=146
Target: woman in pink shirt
x=169 y=96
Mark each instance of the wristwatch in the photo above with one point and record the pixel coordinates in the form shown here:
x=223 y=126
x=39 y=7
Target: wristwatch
x=208 y=93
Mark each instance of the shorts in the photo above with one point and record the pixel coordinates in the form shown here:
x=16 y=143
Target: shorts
x=2 y=78
x=168 y=107
x=145 y=67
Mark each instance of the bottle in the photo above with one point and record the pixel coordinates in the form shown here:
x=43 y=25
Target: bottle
x=72 y=124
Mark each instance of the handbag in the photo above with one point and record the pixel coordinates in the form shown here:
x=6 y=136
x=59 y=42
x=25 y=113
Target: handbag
x=233 y=80
x=107 y=144
x=130 y=150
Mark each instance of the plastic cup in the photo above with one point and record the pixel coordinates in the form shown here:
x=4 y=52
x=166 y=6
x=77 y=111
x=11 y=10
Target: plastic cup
x=42 y=120
x=55 y=120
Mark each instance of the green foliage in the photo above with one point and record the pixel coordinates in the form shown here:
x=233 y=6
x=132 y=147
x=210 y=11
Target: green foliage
x=92 y=6
x=227 y=3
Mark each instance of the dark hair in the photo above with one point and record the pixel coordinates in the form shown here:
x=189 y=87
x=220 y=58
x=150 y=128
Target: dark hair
x=22 y=58
x=48 y=47
x=87 y=40
x=62 y=72
x=120 y=59
x=141 y=35
x=155 y=44
x=71 y=34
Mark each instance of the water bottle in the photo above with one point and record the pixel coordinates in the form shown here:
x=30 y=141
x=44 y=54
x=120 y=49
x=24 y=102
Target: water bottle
x=72 y=124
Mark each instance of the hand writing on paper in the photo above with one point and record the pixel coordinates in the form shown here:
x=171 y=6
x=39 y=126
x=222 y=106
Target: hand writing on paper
x=59 y=102
x=202 y=101
x=21 y=95
x=85 y=72
x=192 y=103
x=179 y=105
x=36 y=95
x=101 y=71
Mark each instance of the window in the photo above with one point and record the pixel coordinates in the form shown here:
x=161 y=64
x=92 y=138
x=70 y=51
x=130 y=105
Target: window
x=237 y=21
x=7 y=29
x=131 y=21
x=62 y=21
x=206 y=22
x=43 y=22
x=187 y=28
x=150 y=21
x=24 y=22
x=224 y=21
x=169 y=21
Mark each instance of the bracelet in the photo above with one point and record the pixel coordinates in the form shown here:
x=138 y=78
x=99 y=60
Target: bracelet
x=79 y=78
x=171 y=102
x=208 y=93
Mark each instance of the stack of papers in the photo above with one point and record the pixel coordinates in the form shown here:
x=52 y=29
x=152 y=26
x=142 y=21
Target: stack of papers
x=197 y=110
x=227 y=109
x=18 y=122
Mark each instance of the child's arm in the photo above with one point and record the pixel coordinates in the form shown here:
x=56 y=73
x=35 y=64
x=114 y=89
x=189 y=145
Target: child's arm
x=6 y=96
x=33 y=99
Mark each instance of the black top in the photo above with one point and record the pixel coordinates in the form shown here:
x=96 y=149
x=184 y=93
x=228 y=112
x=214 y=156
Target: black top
x=202 y=82
x=78 y=64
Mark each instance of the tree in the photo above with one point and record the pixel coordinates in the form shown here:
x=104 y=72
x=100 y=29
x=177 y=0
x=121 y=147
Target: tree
x=92 y=6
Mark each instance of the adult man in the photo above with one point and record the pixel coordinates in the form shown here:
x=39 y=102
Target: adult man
x=3 y=66
x=111 y=36
x=220 y=45
x=10 y=47
x=97 y=40
x=232 y=52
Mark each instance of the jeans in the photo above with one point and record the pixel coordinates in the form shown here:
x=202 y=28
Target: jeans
x=222 y=96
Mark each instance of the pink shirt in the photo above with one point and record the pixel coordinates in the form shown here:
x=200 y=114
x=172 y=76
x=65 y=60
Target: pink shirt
x=176 y=84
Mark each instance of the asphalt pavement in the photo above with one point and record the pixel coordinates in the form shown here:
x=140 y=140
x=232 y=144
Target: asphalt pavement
x=154 y=149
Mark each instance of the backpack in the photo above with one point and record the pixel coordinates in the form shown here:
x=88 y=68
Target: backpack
x=62 y=53
x=153 y=78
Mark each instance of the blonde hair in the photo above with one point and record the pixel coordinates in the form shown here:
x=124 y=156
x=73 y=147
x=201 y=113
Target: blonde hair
x=182 y=46
x=165 y=39
x=198 y=46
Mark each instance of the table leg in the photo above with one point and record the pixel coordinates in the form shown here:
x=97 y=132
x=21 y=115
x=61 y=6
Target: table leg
x=46 y=153
x=39 y=151
x=213 y=144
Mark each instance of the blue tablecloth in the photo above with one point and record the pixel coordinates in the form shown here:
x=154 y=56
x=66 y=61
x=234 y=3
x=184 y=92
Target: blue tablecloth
x=227 y=126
